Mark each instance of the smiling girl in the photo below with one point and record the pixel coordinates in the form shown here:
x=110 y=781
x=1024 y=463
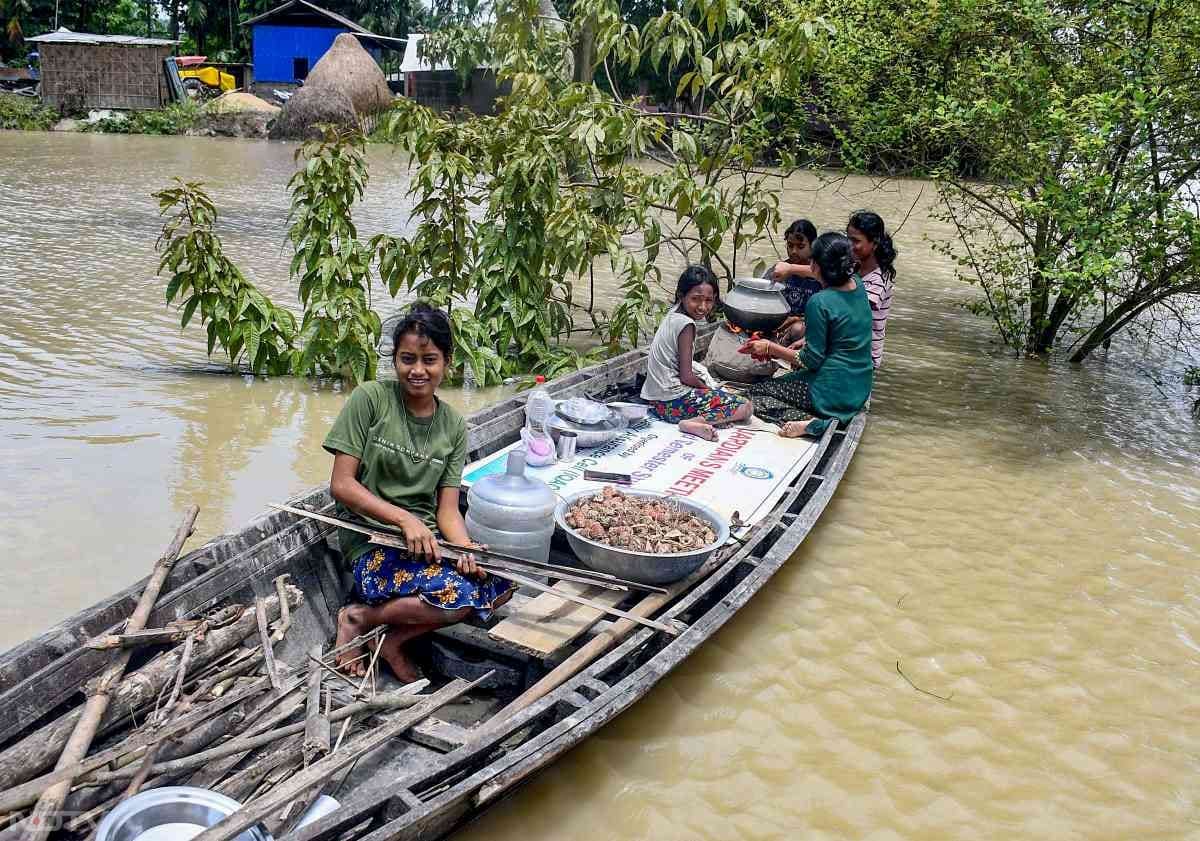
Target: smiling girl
x=398 y=455
x=675 y=393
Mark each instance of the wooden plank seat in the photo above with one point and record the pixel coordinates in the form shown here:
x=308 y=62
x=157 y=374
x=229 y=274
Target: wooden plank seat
x=543 y=626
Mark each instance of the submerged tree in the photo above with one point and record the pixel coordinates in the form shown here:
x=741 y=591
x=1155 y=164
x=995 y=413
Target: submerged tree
x=511 y=208
x=1064 y=138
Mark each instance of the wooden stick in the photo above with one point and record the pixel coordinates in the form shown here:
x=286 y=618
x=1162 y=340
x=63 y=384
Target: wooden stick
x=334 y=672
x=254 y=812
x=27 y=793
x=135 y=785
x=395 y=539
x=389 y=700
x=316 y=725
x=30 y=756
x=362 y=683
x=602 y=642
x=603 y=608
x=264 y=637
x=136 y=639
x=285 y=614
x=44 y=817
x=258 y=722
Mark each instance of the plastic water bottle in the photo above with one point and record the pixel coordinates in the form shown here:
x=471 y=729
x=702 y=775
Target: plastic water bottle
x=512 y=513
x=537 y=439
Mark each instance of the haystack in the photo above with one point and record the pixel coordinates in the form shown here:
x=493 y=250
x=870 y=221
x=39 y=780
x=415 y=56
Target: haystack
x=308 y=108
x=349 y=68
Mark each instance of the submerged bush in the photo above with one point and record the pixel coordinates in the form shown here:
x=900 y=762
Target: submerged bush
x=176 y=118
x=25 y=113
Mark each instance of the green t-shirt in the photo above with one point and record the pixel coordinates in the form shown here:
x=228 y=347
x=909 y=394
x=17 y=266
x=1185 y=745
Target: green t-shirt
x=837 y=354
x=402 y=459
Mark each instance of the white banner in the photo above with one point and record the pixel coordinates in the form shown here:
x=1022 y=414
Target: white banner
x=746 y=470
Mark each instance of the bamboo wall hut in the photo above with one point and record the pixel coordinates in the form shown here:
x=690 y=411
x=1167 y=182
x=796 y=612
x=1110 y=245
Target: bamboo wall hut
x=81 y=70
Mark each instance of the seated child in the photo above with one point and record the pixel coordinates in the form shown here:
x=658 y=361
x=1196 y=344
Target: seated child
x=797 y=276
x=675 y=393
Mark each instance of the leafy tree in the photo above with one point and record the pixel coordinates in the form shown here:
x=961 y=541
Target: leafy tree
x=511 y=208
x=1078 y=119
x=339 y=331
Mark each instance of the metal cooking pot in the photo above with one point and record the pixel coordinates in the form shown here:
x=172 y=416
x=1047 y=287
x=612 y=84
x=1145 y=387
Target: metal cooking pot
x=756 y=304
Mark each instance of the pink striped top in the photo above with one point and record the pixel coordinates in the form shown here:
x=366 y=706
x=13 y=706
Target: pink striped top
x=879 y=293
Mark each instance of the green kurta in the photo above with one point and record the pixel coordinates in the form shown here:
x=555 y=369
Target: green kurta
x=402 y=459
x=837 y=354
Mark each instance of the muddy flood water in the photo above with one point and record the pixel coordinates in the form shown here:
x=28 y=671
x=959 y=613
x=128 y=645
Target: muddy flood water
x=1021 y=539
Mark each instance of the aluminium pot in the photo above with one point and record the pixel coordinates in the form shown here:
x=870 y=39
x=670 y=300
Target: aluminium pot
x=756 y=304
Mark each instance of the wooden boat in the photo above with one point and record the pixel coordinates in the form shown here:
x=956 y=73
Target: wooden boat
x=443 y=771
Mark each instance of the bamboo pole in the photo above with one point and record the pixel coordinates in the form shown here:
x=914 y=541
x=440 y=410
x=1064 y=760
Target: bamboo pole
x=44 y=817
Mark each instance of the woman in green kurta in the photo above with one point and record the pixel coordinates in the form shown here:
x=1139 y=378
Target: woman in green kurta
x=398 y=459
x=833 y=373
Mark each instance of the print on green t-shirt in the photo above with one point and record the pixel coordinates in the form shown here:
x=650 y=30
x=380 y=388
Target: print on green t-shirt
x=402 y=459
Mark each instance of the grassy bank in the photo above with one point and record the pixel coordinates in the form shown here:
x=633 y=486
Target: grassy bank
x=25 y=113
x=176 y=118
x=28 y=114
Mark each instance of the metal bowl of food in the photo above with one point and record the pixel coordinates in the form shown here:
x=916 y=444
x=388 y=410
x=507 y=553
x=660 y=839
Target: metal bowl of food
x=172 y=813
x=646 y=567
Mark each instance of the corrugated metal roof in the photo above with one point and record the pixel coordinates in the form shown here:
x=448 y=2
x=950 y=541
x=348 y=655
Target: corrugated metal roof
x=66 y=36
x=334 y=16
x=415 y=63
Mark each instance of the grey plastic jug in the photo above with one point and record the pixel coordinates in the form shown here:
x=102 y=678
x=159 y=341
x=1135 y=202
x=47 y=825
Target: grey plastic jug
x=511 y=512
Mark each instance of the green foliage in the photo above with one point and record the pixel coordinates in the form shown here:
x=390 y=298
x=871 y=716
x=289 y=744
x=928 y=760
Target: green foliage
x=25 y=113
x=176 y=118
x=1078 y=120
x=1191 y=377
x=248 y=327
x=511 y=209
x=339 y=331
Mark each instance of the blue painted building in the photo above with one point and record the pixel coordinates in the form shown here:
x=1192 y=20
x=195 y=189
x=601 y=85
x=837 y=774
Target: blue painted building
x=289 y=40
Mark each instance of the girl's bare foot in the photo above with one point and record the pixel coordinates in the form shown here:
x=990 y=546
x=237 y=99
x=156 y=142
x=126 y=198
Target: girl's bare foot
x=699 y=428
x=794 y=429
x=392 y=653
x=350 y=625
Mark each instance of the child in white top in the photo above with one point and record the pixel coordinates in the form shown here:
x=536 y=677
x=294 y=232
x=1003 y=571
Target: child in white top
x=675 y=393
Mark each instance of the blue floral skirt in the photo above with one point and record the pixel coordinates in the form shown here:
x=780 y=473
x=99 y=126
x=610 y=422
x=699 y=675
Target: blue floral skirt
x=383 y=573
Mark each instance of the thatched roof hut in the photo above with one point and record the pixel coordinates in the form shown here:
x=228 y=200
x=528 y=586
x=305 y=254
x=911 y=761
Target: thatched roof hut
x=350 y=68
x=308 y=108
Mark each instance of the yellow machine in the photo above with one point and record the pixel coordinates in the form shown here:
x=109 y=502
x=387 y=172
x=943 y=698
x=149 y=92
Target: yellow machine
x=202 y=82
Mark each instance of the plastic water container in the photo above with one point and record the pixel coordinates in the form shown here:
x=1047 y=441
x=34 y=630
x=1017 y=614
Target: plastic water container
x=538 y=443
x=512 y=513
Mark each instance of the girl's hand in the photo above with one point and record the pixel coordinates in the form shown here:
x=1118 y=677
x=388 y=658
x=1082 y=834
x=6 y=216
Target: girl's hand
x=798 y=344
x=782 y=269
x=759 y=349
x=466 y=564
x=419 y=538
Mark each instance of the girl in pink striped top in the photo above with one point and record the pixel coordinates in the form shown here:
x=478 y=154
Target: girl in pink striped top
x=875 y=255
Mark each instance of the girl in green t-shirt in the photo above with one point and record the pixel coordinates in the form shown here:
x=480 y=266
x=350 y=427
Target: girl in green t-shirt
x=398 y=455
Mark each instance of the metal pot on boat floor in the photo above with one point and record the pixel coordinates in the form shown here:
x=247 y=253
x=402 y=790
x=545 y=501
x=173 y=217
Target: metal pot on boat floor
x=180 y=813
